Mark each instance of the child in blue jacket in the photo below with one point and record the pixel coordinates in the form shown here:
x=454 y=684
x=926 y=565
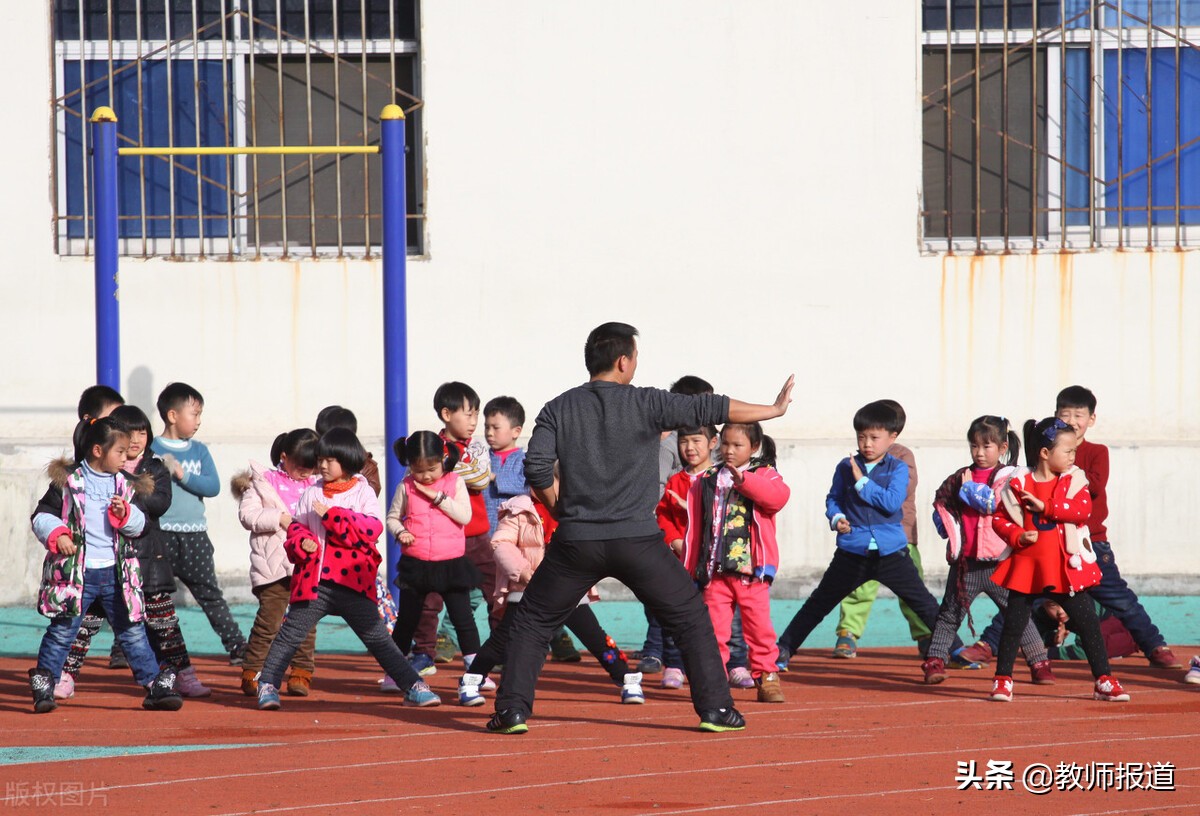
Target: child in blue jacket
x=864 y=507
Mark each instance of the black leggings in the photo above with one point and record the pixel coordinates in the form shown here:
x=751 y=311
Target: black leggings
x=582 y=622
x=1079 y=608
x=458 y=608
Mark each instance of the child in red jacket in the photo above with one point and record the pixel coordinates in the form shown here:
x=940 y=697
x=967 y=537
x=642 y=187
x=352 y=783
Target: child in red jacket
x=730 y=547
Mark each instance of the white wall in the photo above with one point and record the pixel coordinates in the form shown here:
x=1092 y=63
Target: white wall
x=729 y=177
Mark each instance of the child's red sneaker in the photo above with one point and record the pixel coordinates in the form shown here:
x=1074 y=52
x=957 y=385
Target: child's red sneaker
x=1041 y=674
x=1109 y=690
x=935 y=670
x=1002 y=689
x=979 y=653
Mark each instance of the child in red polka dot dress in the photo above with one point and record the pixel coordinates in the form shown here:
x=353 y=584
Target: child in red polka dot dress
x=332 y=542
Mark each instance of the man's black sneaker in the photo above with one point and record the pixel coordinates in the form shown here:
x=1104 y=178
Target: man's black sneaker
x=41 y=683
x=508 y=721
x=722 y=719
x=161 y=694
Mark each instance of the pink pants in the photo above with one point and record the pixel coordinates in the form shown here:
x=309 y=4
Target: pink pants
x=754 y=599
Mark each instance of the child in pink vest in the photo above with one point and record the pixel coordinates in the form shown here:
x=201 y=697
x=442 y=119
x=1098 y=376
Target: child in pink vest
x=963 y=508
x=428 y=515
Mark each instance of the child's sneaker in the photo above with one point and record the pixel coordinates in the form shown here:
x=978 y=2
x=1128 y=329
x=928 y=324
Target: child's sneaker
x=740 y=677
x=563 y=649
x=785 y=657
x=299 y=682
x=768 y=688
x=41 y=683
x=650 y=665
x=161 y=694
x=189 y=685
x=65 y=689
x=250 y=682
x=672 y=678
x=1002 y=689
x=423 y=664
x=468 y=690
x=722 y=719
x=488 y=684
x=631 y=691
x=443 y=649
x=979 y=653
x=268 y=697
x=846 y=646
x=237 y=655
x=1193 y=675
x=1108 y=689
x=1041 y=674
x=958 y=661
x=421 y=696
x=117 y=659
x=1163 y=658
x=388 y=686
x=935 y=670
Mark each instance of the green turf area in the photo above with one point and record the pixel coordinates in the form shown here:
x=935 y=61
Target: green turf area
x=21 y=627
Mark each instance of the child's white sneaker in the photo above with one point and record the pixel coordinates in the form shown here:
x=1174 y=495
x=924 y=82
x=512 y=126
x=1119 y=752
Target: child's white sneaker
x=631 y=691
x=488 y=684
x=468 y=690
x=1193 y=675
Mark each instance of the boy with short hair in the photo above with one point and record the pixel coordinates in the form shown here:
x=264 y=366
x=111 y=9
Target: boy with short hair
x=1076 y=406
x=865 y=507
x=184 y=526
x=503 y=420
x=335 y=416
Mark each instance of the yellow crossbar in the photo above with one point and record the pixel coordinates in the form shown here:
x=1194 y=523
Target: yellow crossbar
x=284 y=150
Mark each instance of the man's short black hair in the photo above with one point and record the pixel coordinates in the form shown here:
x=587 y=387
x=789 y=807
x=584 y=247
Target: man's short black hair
x=878 y=414
x=342 y=444
x=691 y=385
x=1075 y=396
x=335 y=416
x=95 y=398
x=175 y=396
x=451 y=396
x=507 y=406
x=606 y=344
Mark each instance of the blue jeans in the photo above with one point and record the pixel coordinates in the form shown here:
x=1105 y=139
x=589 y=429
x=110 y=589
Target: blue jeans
x=1114 y=595
x=659 y=644
x=100 y=585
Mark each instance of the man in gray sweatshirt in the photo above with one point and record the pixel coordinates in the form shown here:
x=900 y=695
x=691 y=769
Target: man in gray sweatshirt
x=605 y=435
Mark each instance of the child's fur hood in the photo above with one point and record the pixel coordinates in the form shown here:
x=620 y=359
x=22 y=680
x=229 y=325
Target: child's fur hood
x=240 y=483
x=60 y=469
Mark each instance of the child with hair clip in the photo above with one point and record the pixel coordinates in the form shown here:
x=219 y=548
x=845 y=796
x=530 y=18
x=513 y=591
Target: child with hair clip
x=428 y=516
x=332 y=542
x=1040 y=510
x=267 y=502
x=730 y=548
x=963 y=507
x=158 y=581
x=86 y=522
x=520 y=545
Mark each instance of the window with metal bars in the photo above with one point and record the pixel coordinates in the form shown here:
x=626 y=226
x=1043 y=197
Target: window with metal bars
x=1060 y=124
x=236 y=72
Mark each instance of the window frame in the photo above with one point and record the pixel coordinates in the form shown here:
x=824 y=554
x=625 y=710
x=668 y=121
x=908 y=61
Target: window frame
x=1103 y=230
x=239 y=52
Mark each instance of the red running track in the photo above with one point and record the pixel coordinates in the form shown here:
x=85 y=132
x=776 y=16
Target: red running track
x=856 y=736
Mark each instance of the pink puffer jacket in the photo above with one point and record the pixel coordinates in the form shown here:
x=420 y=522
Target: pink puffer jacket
x=259 y=509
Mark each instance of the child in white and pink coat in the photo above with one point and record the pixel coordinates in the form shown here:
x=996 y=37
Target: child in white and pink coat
x=267 y=502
